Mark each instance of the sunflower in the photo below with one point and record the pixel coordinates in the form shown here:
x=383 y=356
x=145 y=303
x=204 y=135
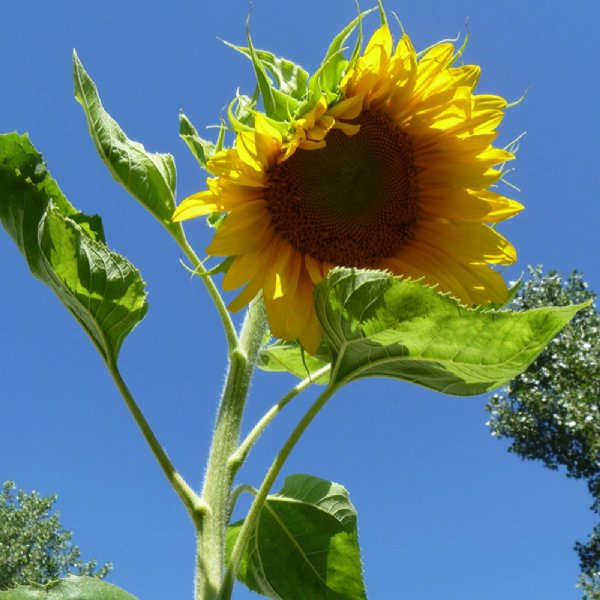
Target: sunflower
x=394 y=174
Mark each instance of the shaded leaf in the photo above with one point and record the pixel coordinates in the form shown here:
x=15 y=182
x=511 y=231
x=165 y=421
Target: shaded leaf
x=245 y=573
x=66 y=250
x=305 y=544
x=380 y=325
x=149 y=177
x=288 y=356
x=70 y=588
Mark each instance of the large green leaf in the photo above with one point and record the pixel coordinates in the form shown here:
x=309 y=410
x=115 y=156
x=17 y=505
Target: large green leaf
x=66 y=249
x=70 y=588
x=380 y=325
x=148 y=177
x=305 y=544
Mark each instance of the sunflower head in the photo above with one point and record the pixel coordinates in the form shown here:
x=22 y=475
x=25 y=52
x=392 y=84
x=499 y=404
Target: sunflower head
x=381 y=161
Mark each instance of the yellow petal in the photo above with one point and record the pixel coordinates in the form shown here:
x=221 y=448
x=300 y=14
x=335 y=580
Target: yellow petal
x=276 y=278
x=246 y=296
x=420 y=263
x=197 y=205
x=244 y=268
x=245 y=229
x=314 y=268
x=347 y=109
x=378 y=50
x=309 y=145
x=262 y=126
x=468 y=242
x=246 y=149
x=432 y=63
x=466 y=205
x=311 y=336
x=349 y=129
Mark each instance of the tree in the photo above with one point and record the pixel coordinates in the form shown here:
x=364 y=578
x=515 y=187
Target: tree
x=34 y=546
x=551 y=411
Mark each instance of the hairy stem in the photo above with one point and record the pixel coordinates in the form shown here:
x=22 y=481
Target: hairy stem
x=220 y=471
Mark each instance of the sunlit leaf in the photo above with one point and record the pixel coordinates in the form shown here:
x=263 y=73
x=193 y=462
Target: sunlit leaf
x=70 y=588
x=66 y=249
x=148 y=177
x=305 y=544
x=380 y=325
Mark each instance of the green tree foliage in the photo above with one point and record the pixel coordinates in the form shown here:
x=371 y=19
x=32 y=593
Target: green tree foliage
x=551 y=412
x=34 y=546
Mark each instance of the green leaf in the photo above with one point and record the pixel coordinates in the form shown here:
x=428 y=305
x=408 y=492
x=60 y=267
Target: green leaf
x=305 y=544
x=289 y=356
x=66 y=249
x=379 y=325
x=70 y=588
x=149 y=178
x=202 y=149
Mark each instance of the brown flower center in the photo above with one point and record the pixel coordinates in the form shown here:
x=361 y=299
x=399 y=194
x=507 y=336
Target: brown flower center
x=351 y=203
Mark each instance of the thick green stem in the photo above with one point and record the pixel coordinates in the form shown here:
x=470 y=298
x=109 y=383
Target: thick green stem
x=191 y=501
x=221 y=469
x=257 y=504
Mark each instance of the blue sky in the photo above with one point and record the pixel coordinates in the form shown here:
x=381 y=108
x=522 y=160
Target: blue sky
x=444 y=510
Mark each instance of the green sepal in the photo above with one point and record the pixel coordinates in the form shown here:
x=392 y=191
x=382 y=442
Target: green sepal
x=72 y=587
x=376 y=324
x=460 y=52
x=290 y=78
x=326 y=79
x=452 y=41
x=222 y=267
x=66 y=249
x=277 y=104
x=149 y=177
x=215 y=219
x=241 y=110
x=382 y=14
x=304 y=545
x=202 y=150
x=290 y=357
